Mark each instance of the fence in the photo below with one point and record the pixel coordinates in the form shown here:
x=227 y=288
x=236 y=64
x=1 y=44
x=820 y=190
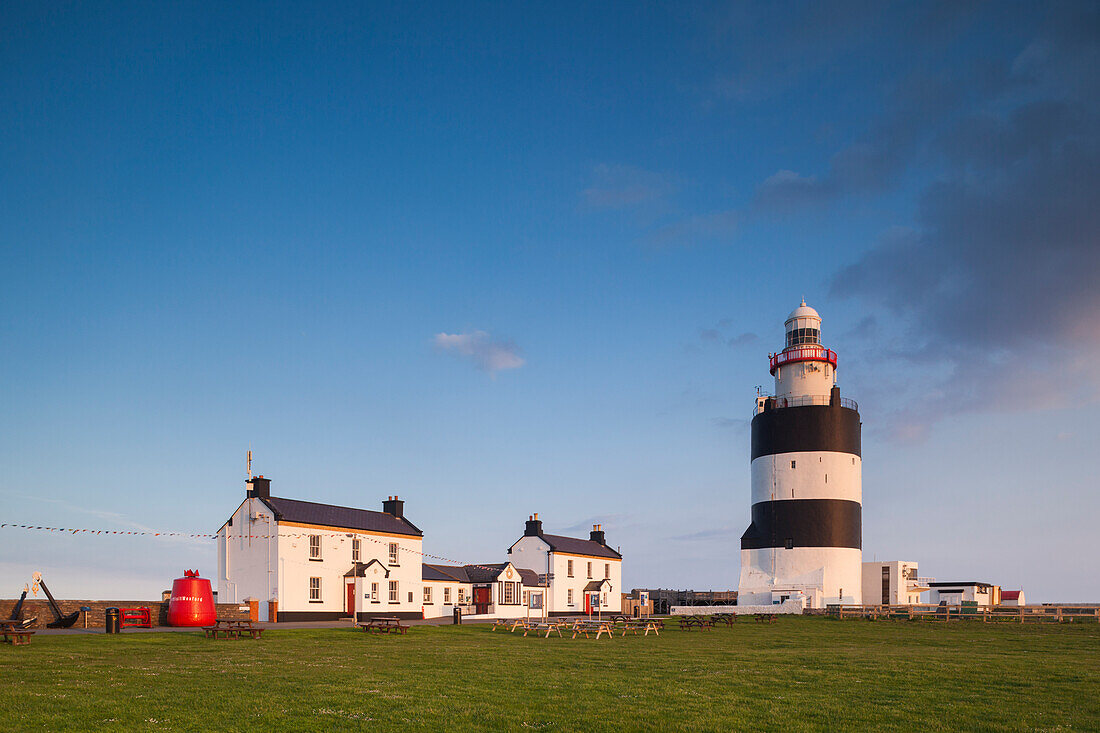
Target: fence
x=987 y=614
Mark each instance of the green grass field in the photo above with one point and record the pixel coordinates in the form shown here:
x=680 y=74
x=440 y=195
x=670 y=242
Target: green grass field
x=796 y=674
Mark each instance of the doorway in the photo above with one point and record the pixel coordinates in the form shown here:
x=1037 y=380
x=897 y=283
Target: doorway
x=351 y=599
x=482 y=596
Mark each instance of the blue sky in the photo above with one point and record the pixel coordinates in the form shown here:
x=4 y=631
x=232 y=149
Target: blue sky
x=500 y=259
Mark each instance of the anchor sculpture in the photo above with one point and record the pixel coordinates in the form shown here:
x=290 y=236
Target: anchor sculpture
x=59 y=622
x=16 y=613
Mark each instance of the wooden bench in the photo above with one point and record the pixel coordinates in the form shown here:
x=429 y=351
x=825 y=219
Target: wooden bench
x=766 y=617
x=18 y=637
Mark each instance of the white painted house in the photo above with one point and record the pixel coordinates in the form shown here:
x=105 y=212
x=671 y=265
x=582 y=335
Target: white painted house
x=582 y=575
x=954 y=593
x=490 y=590
x=308 y=561
x=894 y=583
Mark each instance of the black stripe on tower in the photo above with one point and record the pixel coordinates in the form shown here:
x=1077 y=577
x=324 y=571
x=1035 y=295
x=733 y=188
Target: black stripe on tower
x=794 y=523
x=814 y=427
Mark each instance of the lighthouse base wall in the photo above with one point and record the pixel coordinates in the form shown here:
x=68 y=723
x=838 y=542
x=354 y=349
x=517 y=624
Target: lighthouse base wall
x=821 y=575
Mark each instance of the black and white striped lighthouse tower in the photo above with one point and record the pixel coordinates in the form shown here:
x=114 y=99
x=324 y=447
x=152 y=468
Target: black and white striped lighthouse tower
x=806 y=531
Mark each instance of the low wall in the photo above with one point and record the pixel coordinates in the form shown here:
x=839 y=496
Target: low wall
x=40 y=607
x=787 y=607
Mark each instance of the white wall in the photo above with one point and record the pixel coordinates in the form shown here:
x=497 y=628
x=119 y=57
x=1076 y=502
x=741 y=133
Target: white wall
x=531 y=553
x=899 y=593
x=822 y=573
x=816 y=475
x=248 y=556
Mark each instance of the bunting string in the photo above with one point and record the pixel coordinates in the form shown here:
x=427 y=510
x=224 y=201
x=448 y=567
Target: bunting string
x=203 y=535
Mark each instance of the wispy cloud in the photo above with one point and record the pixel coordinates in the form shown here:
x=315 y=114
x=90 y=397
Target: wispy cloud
x=480 y=349
x=625 y=186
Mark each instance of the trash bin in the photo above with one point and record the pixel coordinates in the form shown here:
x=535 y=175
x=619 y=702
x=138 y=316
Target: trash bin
x=114 y=619
x=457 y=616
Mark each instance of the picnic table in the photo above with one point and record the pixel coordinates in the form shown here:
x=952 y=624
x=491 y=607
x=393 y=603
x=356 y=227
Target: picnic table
x=232 y=628
x=593 y=627
x=636 y=625
x=766 y=617
x=539 y=626
x=384 y=625
x=687 y=623
x=724 y=618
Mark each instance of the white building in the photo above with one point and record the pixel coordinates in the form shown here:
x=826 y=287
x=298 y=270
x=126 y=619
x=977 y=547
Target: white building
x=805 y=538
x=308 y=561
x=582 y=576
x=894 y=583
x=492 y=590
x=1013 y=598
x=954 y=593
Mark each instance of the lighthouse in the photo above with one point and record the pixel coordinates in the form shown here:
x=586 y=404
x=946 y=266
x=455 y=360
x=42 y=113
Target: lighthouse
x=805 y=539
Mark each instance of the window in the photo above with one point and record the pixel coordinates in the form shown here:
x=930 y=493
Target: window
x=526 y=597
x=569 y=596
x=427 y=594
x=509 y=594
x=314 y=590
x=446 y=595
x=374 y=592
x=410 y=596
x=315 y=547
x=607 y=570
x=798 y=336
x=569 y=568
x=393 y=591
x=792 y=464
x=393 y=554
x=461 y=595
x=590 y=571
x=603 y=600
x=790 y=543
x=355 y=550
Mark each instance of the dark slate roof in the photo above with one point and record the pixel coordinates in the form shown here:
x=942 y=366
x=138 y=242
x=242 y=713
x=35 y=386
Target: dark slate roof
x=486 y=573
x=577 y=546
x=596 y=584
x=358 y=570
x=329 y=515
x=530 y=577
x=450 y=573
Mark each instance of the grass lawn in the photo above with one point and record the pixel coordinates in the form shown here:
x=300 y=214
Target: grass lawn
x=796 y=674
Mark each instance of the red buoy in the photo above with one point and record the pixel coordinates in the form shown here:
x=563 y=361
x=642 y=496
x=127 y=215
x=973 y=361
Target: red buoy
x=192 y=602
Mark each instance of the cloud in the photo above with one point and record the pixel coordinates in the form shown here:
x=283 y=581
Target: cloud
x=689 y=230
x=480 y=349
x=994 y=288
x=624 y=186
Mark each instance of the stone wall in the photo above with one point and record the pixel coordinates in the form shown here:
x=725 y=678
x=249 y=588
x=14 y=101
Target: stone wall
x=786 y=607
x=40 y=607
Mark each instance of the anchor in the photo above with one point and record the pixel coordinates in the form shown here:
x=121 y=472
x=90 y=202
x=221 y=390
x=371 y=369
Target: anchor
x=59 y=622
x=16 y=613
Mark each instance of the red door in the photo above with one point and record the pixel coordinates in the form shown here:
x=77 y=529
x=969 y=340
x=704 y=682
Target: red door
x=482 y=596
x=351 y=600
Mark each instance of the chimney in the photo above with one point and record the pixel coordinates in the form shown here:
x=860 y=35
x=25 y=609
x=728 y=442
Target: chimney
x=258 y=487
x=394 y=506
x=597 y=534
x=534 y=526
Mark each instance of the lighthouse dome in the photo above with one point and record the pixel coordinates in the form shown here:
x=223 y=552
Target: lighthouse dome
x=803 y=311
x=803 y=326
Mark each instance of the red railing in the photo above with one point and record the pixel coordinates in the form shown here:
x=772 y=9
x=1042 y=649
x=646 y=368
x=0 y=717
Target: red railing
x=802 y=353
